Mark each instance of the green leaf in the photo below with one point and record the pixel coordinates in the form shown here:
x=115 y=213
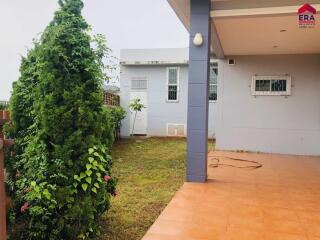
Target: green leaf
x=98 y=175
x=82 y=175
x=84 y=186
x=102 y=168
x=33 y=184
x=74 y=191
x=91 y=159
x=88 y=180
x=89 y=172
x=47 y=194
x=94 y=190
x=96 y=185
x=90 y=150
x=96 y=154
x=95 y=163
x=88 y=166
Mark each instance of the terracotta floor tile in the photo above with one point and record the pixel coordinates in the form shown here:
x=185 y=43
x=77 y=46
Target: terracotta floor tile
x=154 y=236
x=312 y=228
x=177 y=214
x=182 y=202
x=247 y=222
x=242 y=233
x=307 y=215
x=284 y=226
x=276 y=203
x=212 y=220
x=212 y=210
x=284 y=236
x=242 y=200
x=280 y=201
x=199 y=231
x=280 y=214
x=313 y=238
x=308 y=205
x=246 y=211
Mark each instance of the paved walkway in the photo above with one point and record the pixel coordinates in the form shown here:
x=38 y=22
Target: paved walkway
x=280 y=201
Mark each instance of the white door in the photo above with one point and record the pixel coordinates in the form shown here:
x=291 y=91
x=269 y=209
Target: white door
x=138 y=122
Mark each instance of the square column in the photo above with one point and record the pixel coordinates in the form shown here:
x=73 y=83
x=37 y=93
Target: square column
x=198 y=92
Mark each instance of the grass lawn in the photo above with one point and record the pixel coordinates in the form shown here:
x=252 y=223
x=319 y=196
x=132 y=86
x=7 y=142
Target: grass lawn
x=150 y=171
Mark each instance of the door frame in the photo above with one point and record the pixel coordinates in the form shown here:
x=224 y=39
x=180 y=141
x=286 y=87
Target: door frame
x=145 y=110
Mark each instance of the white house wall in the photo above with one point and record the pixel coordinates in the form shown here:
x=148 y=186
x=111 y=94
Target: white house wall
x=160 y=112
x=273 y=124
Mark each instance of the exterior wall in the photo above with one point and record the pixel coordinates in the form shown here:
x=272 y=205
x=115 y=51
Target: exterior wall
x=160 y=112
x=154 y=55
x=271 y=124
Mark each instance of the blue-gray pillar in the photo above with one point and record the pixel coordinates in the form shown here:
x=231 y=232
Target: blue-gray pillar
x=198 y=87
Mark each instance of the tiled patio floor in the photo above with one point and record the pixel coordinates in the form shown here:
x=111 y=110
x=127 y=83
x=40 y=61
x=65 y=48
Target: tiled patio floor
x=280 y=201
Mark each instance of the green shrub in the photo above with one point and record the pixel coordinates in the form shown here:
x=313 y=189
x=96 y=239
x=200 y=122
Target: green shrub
x=61 y=171
x=3 y=106
x=115 y=114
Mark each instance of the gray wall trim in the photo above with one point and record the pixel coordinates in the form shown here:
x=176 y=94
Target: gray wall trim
x=197 y=127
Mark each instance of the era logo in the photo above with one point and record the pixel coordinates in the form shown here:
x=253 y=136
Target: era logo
x=307 y=16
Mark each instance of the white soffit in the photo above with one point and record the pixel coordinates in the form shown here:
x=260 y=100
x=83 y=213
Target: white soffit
x=252 y=27
x=266 y=35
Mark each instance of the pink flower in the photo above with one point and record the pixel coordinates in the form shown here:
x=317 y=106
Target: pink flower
x=24 y=207
x=106 y=178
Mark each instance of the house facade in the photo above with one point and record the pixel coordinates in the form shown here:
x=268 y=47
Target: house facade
x=283 y=118
x=159 y=78
x=268 y=77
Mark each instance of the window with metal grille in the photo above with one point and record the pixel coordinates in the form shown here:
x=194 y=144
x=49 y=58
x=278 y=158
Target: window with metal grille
x=139 y=83
x=173 y=84
x=213 y=82
x=271 y=85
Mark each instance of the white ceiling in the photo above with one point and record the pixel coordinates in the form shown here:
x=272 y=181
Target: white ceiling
x=259 y=35
x=252 y=27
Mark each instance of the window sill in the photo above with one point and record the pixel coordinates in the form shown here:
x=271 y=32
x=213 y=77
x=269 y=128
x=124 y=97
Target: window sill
x=212 y=101
x=172 y=101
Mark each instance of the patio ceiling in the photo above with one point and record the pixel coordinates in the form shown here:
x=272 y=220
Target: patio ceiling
x=256 y=27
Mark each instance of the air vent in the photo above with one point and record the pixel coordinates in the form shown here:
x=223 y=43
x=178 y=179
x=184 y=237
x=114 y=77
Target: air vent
x=139 y=83
x=176 y=130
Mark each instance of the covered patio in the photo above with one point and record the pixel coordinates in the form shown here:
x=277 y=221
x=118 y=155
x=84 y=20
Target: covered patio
x=279 y=201
x=251 y=39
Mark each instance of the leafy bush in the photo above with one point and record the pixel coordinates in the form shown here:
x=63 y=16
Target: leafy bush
x=115 y=114
x=61 y=171
x=3 y=106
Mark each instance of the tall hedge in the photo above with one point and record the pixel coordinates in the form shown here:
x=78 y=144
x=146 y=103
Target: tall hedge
x=61 y=170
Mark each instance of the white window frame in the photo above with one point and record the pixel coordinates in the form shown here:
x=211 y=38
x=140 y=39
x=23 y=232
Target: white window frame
x=270 y=92
x=212 y=64
x=178 y=84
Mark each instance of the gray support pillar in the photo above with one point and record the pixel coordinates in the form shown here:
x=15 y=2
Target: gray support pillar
x=198 y=87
